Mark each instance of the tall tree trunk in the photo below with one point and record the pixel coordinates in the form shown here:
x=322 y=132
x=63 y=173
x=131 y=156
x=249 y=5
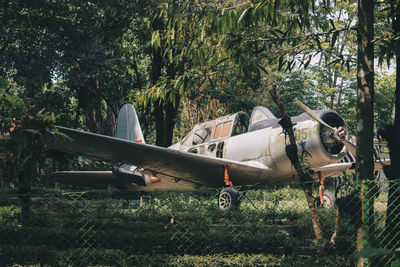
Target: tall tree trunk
x=159 y=117
x=157 y=61
x=169 y=123
x=393 y=172
x=340 y=95
x=111 y=120
x=165 y=114
x=156 y=66
x=25 y=178
x=365 y=90
x=392 y=135
x=365 y=105
x=307 y=188
x=25 y=183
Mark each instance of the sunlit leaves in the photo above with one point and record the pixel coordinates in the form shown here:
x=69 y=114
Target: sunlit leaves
x=388 y=37
x=385 y=86
x=155 y=39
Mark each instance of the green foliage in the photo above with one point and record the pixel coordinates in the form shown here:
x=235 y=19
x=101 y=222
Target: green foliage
x=385 y=86
x=11 y=107
x=81 y=60
x=296 y=86
x=22 y=129
x=9 y=214
x=79 y=46
x=388 y=32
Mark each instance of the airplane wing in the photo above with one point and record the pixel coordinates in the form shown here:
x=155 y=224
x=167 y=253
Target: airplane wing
x=159 y=161
x=335 y=169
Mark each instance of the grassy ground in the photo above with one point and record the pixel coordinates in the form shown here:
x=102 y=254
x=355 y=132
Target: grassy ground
x=271 y=228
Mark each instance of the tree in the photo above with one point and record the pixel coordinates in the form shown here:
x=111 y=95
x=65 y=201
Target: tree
x=389 y=48
x=99 y=62
x=365 y=110
x=178 y=33
x=79 y=44
x=365 y=89
x=28 y=45
x=22 y=134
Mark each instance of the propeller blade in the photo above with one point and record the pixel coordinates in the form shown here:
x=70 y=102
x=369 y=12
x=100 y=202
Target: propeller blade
x=315 y=116
x=350 y=146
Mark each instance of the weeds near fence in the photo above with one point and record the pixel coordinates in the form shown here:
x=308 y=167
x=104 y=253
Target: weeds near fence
x=180 y=229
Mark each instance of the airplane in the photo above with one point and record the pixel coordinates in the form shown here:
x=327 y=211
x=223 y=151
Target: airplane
x=232 y=151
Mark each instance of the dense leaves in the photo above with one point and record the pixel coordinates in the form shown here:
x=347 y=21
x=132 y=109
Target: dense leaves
x=84 y=59
x=183 y=62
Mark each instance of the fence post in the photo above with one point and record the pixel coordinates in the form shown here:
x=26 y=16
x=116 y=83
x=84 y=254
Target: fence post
x=363 y=232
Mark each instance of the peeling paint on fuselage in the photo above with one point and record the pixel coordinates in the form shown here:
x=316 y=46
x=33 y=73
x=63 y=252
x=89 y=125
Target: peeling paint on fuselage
x=265 y=148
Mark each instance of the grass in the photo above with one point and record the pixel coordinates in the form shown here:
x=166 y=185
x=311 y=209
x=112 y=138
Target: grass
x=171 y=229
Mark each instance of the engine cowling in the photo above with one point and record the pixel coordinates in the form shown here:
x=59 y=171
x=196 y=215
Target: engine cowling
x=314 y=142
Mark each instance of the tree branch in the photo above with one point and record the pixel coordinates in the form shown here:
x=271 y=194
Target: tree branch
x=291 y=152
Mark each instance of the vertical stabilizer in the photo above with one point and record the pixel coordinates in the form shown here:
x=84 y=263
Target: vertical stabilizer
x=128 y=126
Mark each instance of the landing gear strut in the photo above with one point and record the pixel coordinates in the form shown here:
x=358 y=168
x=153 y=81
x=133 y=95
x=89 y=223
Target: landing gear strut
x=229 y=196
x=326 y=199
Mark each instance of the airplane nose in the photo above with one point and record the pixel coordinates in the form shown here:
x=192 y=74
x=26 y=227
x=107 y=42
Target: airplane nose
x=330 y=144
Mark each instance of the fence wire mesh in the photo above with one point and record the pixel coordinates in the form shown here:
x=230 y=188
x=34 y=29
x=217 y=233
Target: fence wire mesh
x=105 y=228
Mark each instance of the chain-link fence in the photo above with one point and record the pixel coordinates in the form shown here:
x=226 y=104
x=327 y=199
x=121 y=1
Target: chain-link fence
x=272 y=227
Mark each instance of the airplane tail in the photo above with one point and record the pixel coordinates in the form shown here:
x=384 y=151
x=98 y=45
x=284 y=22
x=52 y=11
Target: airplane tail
x=122 y=175
x=128 y=126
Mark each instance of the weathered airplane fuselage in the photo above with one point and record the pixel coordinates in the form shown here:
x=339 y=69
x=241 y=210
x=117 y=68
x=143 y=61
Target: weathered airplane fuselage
x=263 y=143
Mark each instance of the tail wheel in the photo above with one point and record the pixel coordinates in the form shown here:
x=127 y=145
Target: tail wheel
x=228 y=199
x=328 y=198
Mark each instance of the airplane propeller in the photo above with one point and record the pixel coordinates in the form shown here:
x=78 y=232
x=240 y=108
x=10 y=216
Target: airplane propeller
x=337 y=133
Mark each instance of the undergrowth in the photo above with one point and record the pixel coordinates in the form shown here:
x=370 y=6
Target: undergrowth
x=107 y=227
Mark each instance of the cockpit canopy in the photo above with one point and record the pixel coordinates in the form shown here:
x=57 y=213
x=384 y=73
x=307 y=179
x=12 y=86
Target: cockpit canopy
x=220 y=128
x=261 y=113
x=226 y=126
x=259 y=117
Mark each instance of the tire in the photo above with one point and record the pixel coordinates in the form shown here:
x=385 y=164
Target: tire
x=228 y=199
x=329 y=200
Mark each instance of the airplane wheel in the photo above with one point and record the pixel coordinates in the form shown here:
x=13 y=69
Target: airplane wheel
x=328 y=198
x=228 y=199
